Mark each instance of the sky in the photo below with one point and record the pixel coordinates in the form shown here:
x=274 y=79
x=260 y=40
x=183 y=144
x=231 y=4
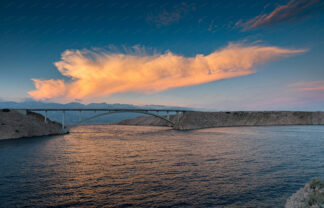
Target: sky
x=215 y=55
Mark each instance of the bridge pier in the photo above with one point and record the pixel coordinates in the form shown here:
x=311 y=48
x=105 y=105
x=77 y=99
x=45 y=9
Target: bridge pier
x=63 y=119
x=46 y=116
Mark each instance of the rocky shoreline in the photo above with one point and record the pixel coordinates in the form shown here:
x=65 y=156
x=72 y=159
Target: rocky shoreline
x=310 y=196
x=18 y=124
x=199 y=120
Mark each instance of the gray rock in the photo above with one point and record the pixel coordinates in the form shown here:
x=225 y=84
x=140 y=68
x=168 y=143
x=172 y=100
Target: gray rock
x=14 y=124
x=198 y=120
x=310 y=196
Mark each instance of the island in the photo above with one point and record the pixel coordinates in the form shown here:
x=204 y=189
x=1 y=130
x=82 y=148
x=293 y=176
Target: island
x=17 y=124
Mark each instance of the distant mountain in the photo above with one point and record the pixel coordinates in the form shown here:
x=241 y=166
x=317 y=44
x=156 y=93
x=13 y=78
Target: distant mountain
x=73 y=117
x=38 y=104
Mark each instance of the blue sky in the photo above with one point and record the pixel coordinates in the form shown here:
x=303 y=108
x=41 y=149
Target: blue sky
x=34 y=34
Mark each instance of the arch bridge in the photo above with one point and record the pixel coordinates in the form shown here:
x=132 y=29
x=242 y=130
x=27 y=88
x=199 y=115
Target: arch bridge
x=107 y=111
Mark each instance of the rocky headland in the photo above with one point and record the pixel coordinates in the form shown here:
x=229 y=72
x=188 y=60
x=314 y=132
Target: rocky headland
x=310 y=196
x=17 y=124
x=198 y=120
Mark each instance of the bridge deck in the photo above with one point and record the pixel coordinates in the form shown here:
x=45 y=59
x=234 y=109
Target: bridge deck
x=104 y=109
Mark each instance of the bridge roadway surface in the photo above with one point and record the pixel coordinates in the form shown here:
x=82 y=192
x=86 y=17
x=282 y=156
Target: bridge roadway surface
x=106 y=109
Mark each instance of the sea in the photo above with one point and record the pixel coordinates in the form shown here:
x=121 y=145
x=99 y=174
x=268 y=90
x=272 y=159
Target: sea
x=137 y=166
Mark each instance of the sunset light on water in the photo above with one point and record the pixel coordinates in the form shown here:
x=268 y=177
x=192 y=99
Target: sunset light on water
x=162 y=103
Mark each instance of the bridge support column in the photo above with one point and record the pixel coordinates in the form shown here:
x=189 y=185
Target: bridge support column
x=168 y=116
x=46 y=116
x=178 y=117
x=63 y=119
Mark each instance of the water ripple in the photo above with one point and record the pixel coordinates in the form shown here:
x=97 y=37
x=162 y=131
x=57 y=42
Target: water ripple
x=129 y=166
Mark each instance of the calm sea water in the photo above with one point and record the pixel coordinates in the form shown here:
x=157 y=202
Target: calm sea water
x=128 y=166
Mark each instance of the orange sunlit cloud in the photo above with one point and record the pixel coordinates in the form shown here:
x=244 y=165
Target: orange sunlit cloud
x=97 y=74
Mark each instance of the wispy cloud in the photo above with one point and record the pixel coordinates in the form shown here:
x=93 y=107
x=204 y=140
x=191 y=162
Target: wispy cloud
x=170 y=16
x=303 y=95
x=309 y=86
x=96 y=74
x=294 y=9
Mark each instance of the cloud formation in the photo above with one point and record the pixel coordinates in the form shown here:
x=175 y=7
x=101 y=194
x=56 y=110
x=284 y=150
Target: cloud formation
x=303 y=95
x=298 y=95
x=172 y=15
x=309 y=86
x=94 y=74
x=292 y=10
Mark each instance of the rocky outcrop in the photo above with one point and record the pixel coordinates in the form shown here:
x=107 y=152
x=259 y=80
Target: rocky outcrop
x=198 y=120
x=311 y=196
x=16 y=124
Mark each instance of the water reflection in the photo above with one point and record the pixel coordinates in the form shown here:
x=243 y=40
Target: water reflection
x=127 y=166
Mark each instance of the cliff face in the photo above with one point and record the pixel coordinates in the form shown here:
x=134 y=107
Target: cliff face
x=16 y=125
x=198 y=120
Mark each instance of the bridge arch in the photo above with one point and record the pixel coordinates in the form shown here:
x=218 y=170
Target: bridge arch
x=113 y=112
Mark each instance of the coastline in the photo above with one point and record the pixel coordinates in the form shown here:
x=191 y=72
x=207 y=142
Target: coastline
x=19 y=124
x=310 y=196
x=200 y=120
x=15 y=124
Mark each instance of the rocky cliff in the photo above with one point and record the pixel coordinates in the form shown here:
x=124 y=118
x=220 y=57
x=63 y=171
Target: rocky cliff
x=15 y=124
x=310 y=196
x=198 y=120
